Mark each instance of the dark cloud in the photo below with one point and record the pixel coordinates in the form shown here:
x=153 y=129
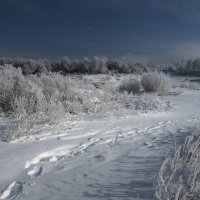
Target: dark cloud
x=145 y=28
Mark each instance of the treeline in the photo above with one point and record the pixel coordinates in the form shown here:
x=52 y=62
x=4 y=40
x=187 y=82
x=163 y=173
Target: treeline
x=189 y=67
x=94 y=65
x=99 y=65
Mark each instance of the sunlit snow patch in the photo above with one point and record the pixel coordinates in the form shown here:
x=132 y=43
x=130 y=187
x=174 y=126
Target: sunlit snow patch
x=62 y=151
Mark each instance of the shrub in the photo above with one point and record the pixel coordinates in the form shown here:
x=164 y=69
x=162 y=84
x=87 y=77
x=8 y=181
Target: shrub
x=130 y=85
x=11 y=80
x=18 y=94
x=148 y=102
x=45 y=98
x=155 y=82
x=93 y=65
x=179 y=176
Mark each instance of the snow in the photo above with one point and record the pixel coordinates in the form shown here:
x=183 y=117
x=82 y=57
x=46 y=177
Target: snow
x=96 y=158
x=6 y=192
x=12 y=190
x=49 y=154
x=36 y=171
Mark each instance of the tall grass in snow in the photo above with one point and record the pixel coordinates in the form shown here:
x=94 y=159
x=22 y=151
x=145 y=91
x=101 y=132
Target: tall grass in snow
x=179 y=176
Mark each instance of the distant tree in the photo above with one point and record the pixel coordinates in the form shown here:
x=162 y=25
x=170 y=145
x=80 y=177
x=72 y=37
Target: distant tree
x=196 y=65
x=99 y=65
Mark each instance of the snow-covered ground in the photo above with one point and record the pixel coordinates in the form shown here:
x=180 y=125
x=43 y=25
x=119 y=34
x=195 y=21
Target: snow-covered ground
x=113 y=158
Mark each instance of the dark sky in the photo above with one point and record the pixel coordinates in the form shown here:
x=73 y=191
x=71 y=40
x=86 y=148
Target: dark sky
x=76 y=28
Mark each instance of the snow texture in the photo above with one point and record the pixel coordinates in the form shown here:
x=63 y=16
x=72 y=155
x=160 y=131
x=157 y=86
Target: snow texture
x=97 y=158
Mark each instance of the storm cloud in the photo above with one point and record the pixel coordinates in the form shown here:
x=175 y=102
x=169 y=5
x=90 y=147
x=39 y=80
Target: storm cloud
x=149 y=28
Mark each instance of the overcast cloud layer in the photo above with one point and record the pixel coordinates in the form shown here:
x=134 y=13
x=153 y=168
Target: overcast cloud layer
x=152 y=29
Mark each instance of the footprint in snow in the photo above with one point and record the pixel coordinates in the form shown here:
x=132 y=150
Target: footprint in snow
x=99 y=157
x=148 y=144
x=36 y=171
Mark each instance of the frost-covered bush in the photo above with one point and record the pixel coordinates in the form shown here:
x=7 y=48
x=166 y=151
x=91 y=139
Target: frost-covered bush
x=7 y=82
x=18 y=94
x=47 y=97
x=54 y=111
x=54 y=86
x=155 y=82
x=148 y=102
x=179 y=176
x=33 y=94
x=19 y=106
x=130 y=85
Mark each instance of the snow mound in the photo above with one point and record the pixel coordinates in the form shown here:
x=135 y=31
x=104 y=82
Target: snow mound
x=36 y=171
x=12 y=190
